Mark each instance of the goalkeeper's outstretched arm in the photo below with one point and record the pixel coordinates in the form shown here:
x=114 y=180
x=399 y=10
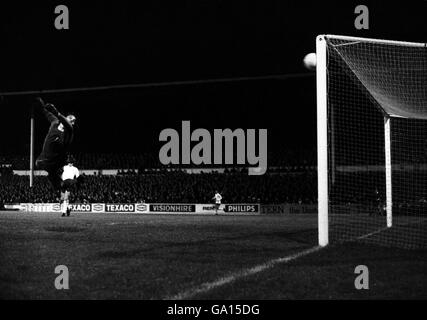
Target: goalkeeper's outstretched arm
x=49 y=115
x=53 y=115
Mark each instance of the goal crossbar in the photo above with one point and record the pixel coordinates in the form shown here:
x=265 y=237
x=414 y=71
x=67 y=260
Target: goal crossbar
x=378 y=41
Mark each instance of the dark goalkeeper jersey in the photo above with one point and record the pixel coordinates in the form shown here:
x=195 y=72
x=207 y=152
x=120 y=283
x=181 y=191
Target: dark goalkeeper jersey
x=57 y=142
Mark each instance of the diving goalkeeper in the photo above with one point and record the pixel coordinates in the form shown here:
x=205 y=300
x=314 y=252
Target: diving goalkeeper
x=56 y=144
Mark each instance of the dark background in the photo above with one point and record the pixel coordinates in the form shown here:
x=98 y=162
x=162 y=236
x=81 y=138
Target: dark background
x=120 y=42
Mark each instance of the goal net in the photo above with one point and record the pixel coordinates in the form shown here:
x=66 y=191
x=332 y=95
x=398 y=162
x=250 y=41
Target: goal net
x=372 y=141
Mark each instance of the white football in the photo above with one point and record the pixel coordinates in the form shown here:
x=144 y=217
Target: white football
x=310 y=61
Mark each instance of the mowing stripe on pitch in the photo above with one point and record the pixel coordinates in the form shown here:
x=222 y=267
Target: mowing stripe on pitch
x=207 y=286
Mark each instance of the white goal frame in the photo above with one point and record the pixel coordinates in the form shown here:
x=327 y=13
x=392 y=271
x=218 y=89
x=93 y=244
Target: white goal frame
x=322 y=134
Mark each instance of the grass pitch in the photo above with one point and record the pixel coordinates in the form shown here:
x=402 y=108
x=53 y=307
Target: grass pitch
x=130 y=256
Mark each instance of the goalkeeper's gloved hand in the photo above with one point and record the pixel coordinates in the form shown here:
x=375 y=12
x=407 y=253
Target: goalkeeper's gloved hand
x=51 y=108
x=39 y=101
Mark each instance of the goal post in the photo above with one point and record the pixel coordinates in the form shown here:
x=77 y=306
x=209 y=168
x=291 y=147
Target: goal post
x=387 y=154
x=32 y=146
x=371 y=140
x=322 y=140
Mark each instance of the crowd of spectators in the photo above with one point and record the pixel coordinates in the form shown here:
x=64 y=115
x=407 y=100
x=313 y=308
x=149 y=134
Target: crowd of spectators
x=291 y=177
x=93 y=160
x=278 y=159
x=169 y=187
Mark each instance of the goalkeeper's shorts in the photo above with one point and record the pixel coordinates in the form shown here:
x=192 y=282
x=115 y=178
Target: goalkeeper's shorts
x=54 y=172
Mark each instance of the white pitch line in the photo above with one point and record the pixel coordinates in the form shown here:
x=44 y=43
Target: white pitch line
x=207 y=286
x=388 y=228
x=372 y=233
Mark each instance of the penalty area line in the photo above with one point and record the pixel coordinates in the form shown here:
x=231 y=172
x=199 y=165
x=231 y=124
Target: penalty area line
x=207 y=286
